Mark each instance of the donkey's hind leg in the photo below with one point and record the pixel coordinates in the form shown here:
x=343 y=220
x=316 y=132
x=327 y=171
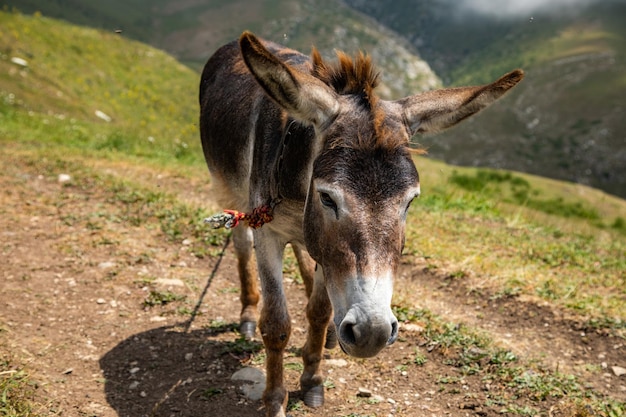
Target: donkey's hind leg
x=243 y=243
x=307 y=270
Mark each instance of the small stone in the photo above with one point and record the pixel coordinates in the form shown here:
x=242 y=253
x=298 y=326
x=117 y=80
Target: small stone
x=102 y=115
x=134 y=370
x=187 y=242
x=391 y=401
x=101 y=301
x=157 y=318
x=337 y=363
x=68 y=371
x=106 y=265
x=412 y=328
x=254 y=390
x=364 y=393
x=113 y=303
x=618 y=370
x=168 y=282
x=143 y=394
x=133 y=385
x=188 y=356
x=63 y=178
x=19 y=61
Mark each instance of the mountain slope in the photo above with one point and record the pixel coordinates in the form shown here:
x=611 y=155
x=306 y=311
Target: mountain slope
x=192 y=30
x=566 y=120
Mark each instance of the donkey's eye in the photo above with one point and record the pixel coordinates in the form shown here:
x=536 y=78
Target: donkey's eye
x=327 y=200
x=408 y=206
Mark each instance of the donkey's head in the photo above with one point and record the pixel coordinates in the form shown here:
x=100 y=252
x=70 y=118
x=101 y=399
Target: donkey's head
x=362 y=176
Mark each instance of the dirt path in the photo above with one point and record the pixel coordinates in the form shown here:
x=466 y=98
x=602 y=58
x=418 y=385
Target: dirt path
x=76 y=278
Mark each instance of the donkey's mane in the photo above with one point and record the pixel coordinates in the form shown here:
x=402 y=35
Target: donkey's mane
x=357 y=77
x=348 y=76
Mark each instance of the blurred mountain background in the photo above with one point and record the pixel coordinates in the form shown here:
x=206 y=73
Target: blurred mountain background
x=566 y=120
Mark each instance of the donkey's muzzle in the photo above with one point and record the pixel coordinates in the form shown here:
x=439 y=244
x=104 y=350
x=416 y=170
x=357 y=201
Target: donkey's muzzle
x=363 y=336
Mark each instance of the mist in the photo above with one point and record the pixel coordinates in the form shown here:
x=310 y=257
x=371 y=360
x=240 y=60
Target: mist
x=524 y=8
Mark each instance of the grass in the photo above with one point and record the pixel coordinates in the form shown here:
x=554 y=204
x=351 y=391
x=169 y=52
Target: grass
x=510 y=382
x=16 y=386
x=523 y=234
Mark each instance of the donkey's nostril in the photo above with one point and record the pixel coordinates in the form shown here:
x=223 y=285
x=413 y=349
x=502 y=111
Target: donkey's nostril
x=347 y=333
x=394 y=333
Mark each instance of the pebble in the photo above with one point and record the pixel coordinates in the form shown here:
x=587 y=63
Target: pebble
x=101 y=301
x=169 y=282
x=19 y=61
x=106 y=265
x=338 y=363
x=254 y=389
x=133 y=385
x=364 y=393
x=618 y=370
x=63 y=178
x=188 y=356
x=412 y=328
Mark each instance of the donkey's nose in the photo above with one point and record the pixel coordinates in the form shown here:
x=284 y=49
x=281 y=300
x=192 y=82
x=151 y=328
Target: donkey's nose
x=365 y=338
x=394 y=332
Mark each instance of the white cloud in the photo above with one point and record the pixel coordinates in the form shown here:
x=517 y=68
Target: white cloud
x=516 y=8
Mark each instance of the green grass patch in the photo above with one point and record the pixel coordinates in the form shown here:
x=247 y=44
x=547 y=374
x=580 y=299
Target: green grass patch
x=510 y=381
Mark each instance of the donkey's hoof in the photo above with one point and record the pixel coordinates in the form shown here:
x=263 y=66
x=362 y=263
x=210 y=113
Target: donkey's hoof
x=331 y=336
x=247 y=329
x=314 y=396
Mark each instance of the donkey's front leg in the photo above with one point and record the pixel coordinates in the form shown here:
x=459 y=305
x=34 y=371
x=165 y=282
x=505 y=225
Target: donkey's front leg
x=275 y=324
x=318 y=312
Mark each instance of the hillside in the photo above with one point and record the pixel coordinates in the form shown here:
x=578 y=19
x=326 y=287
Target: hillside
x=117 y=300
x=191 y=31
x=565 y=121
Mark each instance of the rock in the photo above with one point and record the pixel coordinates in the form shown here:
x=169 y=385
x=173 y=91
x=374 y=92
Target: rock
x=253 y=390
x=338 y=363
x=168 y=282
x=106 y=265
x=101 y=301
x=102 y=115
x=188 y=356
x=618 y=370
x=133 y=385
x=364 y=393
x=63 y=178
x=19 y=61
x=412 y=328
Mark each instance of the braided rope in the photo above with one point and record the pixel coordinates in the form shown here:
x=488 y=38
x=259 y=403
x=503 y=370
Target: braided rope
x=231 y=218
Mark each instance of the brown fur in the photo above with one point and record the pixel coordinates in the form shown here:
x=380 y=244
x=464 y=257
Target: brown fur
x=357 y=77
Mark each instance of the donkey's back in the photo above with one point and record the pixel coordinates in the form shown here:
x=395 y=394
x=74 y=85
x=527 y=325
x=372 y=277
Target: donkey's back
x=235 y=116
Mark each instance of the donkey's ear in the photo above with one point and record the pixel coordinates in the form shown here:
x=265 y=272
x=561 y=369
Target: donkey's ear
x=440 y=109
x=303 y=96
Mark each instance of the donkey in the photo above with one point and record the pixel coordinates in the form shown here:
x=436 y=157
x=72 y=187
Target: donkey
x=310 y=145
